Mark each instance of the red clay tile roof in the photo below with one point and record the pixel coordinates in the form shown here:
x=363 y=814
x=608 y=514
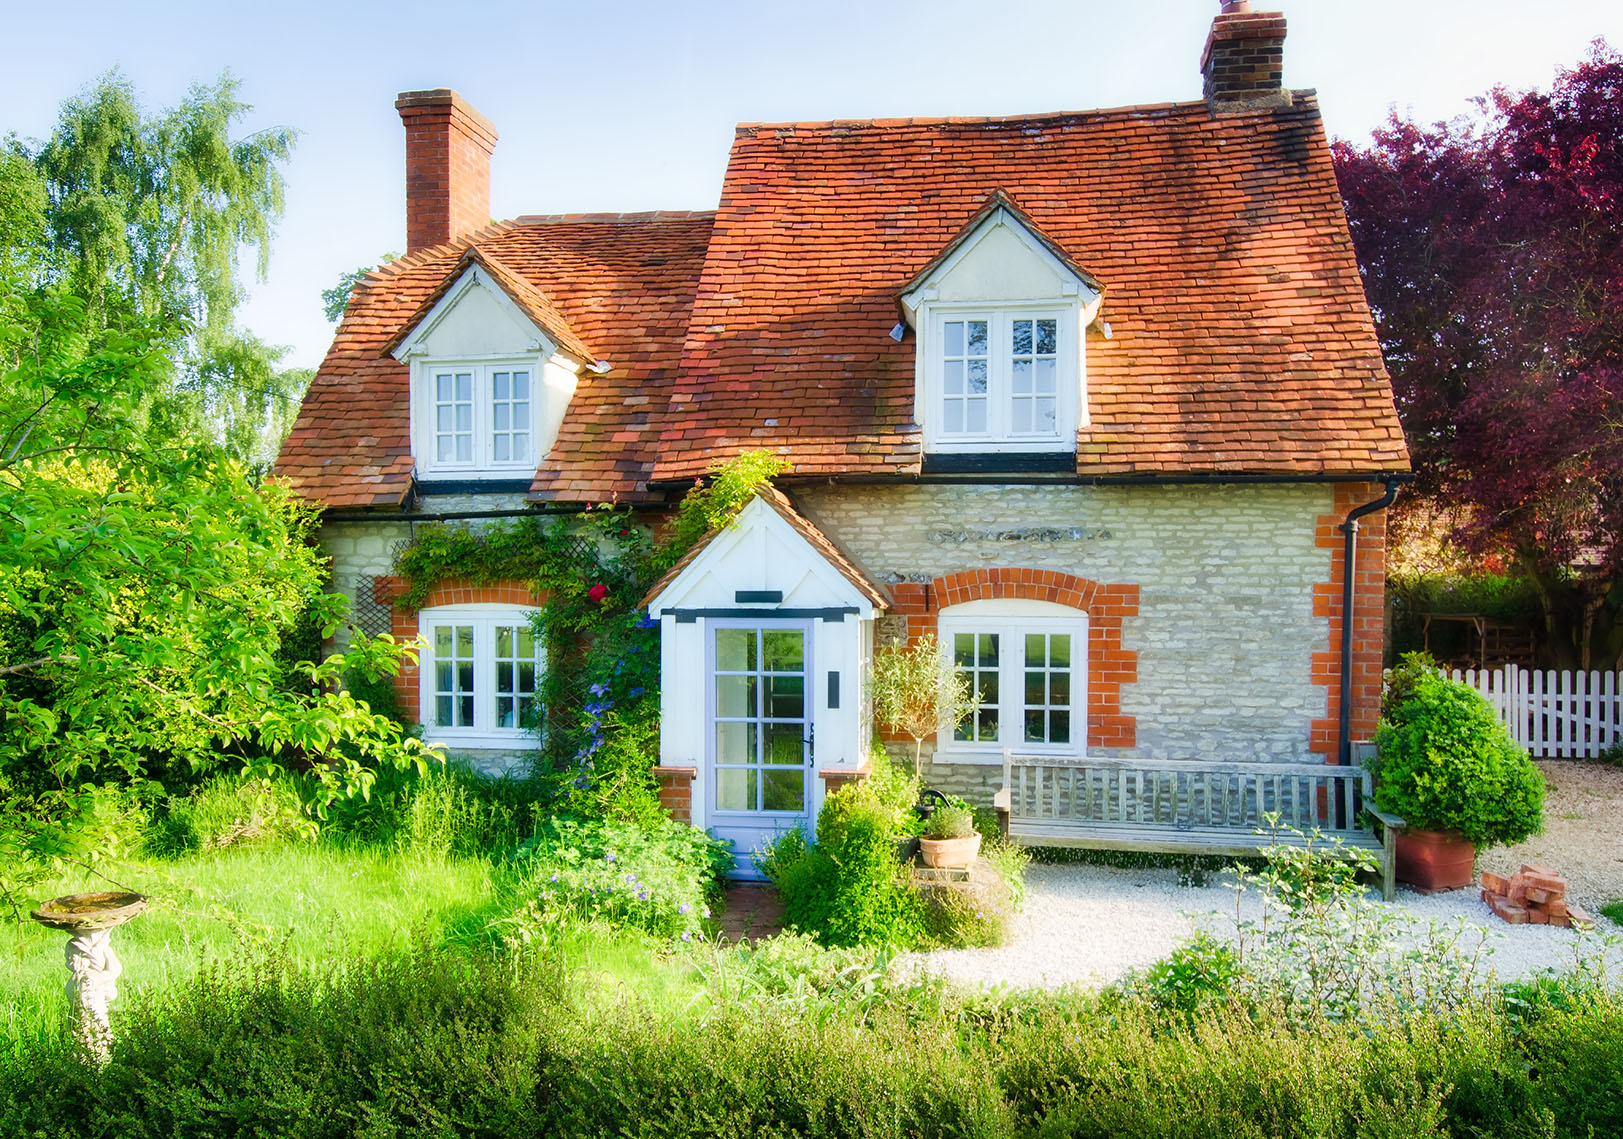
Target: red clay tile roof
x=621 y=284
x=825 y=547
x=1242 y=340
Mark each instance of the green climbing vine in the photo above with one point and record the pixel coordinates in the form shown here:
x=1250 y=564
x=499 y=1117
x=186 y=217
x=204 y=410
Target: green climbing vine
x=600 y=688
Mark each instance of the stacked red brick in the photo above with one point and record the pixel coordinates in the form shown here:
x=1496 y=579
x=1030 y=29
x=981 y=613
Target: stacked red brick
x=1534 y=895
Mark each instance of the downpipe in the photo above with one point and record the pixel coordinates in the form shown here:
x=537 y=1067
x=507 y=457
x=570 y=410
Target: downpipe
x=1349 y=566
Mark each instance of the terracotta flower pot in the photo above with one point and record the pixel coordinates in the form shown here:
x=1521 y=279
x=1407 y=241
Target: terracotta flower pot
x=951 y=853
x=1434 y=860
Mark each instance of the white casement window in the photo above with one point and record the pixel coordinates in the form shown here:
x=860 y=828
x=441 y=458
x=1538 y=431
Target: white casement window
x=1026 y=662
x=1002 y=379
x=481 y=668
x=476 y=418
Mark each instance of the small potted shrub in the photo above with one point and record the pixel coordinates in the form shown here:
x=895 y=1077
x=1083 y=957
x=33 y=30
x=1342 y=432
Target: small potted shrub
x=950 y=839
x=1448 y=766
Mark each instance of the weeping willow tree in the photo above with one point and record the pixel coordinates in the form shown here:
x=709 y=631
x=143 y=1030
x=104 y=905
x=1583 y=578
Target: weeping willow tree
x=148 y=220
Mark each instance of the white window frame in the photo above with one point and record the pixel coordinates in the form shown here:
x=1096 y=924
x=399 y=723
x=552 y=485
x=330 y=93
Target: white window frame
x=1012 y=619
x=484 y=732
x=424 y=379
x=999 y=435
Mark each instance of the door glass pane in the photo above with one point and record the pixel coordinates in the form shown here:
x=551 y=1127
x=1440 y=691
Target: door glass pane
x=786 y=697
x=735 y=743
x=784 y=650
x=785 y=745
x=735 y=788
x=784 y=789
x=735 y=650
x=735 y=696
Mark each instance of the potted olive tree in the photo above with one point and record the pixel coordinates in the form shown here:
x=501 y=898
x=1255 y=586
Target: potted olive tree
x=1449 y=767
x=950 y=839
x=917 y=693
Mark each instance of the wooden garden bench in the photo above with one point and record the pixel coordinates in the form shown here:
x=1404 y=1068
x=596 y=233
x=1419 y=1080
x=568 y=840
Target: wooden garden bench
x=1192 y=808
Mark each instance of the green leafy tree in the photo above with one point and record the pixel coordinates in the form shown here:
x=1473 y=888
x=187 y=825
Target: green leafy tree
x=336 y=299
x=143 y=218
x=146 y=586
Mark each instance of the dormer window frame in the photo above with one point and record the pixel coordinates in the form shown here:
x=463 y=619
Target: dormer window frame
x=1075 y=304
x=484 y=378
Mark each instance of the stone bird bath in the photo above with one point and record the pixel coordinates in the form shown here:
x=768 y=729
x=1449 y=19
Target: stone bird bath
x=93 y=968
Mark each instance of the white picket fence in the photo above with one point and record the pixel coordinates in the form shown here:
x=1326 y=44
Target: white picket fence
x=1573 y=715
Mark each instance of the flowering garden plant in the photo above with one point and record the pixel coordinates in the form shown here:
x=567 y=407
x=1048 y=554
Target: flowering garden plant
x=660 y=877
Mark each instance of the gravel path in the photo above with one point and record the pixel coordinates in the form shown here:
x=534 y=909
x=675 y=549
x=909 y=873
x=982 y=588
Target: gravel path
x=1583 y=832
x=1090 y=924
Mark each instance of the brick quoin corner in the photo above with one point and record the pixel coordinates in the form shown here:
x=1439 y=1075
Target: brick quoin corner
x=1369 y=600
x=1109 y=665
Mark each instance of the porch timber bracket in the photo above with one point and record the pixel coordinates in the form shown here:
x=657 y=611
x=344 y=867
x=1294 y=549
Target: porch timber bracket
x=688 y=616
x=1194 y=808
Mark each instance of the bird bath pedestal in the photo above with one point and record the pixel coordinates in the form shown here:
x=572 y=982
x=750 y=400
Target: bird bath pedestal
x=93 y=968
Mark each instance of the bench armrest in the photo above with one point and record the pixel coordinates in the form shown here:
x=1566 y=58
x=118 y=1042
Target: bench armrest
x=1386 y=818
x=1000 y=801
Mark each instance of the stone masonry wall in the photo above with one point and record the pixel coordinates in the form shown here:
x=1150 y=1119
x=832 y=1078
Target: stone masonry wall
x=1229 y=623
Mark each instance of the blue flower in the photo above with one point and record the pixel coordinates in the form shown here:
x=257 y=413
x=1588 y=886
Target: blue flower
x=597 y=707
x=638 y=691
x=647 y=622
x=608 y=856
x=554 y=878
x=642 y=895
x=687 y=935
x=683 y=908
x=596 y=690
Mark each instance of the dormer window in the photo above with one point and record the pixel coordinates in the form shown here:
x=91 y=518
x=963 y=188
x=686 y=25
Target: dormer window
x=482 y=415
x=493 y=366
x=999 y=317
x=1003 y=375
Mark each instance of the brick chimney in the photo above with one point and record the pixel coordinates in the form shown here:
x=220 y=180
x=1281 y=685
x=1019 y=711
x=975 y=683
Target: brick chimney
x=1244 y=58
x=448 y=146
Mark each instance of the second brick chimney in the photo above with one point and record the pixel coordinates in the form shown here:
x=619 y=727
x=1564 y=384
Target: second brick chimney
x=1244 y=59
x=448 y=146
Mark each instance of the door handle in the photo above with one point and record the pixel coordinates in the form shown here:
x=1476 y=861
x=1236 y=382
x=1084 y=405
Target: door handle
x=809 y=739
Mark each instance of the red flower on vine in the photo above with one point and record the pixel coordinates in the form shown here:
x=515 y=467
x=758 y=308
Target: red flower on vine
x=597 y=593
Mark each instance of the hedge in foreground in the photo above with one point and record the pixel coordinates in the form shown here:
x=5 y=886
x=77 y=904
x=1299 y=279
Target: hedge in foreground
x=439 y=1045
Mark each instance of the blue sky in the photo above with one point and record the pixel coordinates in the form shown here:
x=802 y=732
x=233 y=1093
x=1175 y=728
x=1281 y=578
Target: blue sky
x=628 y=106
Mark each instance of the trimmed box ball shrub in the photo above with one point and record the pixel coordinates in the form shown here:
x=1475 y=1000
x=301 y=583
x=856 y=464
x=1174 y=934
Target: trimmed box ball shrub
x=1446 y=763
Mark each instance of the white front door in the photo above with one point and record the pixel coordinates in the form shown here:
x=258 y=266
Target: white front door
x=759 y=760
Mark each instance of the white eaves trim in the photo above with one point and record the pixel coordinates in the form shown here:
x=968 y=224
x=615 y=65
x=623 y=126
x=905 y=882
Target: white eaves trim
x=475 y=276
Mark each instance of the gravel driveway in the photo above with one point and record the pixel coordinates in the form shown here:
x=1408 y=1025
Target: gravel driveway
x=1089 y=924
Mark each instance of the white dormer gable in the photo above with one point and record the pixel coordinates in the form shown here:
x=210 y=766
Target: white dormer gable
x=475 y=317
x=1000 y=319
x=760 y=555
x=489 y=385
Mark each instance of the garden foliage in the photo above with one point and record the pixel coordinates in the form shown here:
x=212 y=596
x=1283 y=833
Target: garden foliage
x=1446 y=763
x=658 y=877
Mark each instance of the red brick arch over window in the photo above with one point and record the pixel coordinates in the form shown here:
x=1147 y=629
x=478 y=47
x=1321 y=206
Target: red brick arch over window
x=1109 y=665
x=403 y=620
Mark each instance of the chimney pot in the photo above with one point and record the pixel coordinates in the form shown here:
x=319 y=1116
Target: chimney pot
x=448 y=146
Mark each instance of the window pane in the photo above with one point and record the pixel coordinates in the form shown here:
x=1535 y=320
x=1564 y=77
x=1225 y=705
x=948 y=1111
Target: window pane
x=735 y=789
x=526 y=677
x=464 y=641
x=526 y=642
x=521 y=385
x=1022 y=338
x=1047 y=417
x=521 y=445
x=464 y=676
x=784 y=789
x=988 y=723
x=464 y=417
x=953 y=338
x=1059 y=650
x=444 y=419
x=505 y=712
x=977 y=377
x=953 y=422
x=465 y=709
x=1036 y=687
x=953 y=377
x=1048 y=336
x=785 y=650
x=1022 y=377
x=464 y=387
x=464 y=449
x=1059 y=689
x=444 y=449
x=786 y=697
x=735 y=743
x=1034 y=728
x=735 y=650
x=442 y=711
x=443 y=671
x=963 y=649
x=976 y=424
x=500 y=413
x=977 y=337
x=501 y=451
x=442 y=388
x=1047 y=376
x=989 y=688
x=498 y=383
x=1059 y=727
x=443 y=640
x=785 y=745
x=504 y=676
x=1020 y=417
x=988 y=646
x=735 y=695
x=1036 y=650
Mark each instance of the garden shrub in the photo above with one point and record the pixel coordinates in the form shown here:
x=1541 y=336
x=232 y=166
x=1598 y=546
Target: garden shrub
x=1200 y=972
x=449 y=810
x=659 y=879
x=1446 y=763
x=849 y=889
